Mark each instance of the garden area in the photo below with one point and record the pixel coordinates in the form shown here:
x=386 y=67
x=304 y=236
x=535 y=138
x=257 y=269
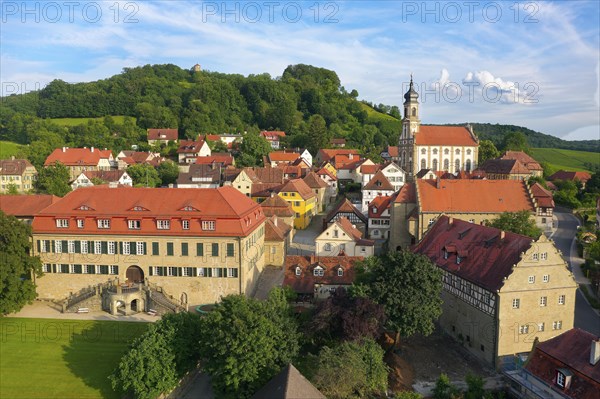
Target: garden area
x=42 y=358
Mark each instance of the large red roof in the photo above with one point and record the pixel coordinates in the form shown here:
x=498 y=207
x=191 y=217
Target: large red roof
x=444 y=135
x=305 y=282
x=13 y=166
x=570 y=175
x=298 y=186
x=407 y=194
x=223 y=159
x=25 y=205
x=234 y=213
x=473 y=196
x=486 y=257
x=543 y=197
x=282 y=156
x=162 y=134
x=76 y=156
x=314 y=181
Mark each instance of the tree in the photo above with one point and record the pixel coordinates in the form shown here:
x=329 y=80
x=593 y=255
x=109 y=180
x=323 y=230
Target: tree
x=254 y=148
x=318 y=134
x=351 y=370
x=408 y=286
x=143 y=175
x=245 y=342
x=517 y=222
x=218 y=146
x=345 y=317
x=168 y=172
x=54 y=179
x=11 y=189
x=444 y=389
x=487 y=150
x=16 y=265
x=407 y=395
x=475 y=388
x=515 y=141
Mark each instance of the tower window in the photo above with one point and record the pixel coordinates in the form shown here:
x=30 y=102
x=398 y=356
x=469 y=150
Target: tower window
x=414 y=111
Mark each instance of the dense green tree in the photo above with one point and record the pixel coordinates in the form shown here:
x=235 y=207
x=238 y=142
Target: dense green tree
x=517 y=222
x=11 y=189
x=475 y=388
x=592 y=186
x=318 y=135
x=407 y=395
x=17 y=266
x=408 y=286
x=253 y=149
x=353 y=369
x=218 y=146
x=245 y=342
x=487 y=150
x=168 y=171
x=444 y=389
x=144 y=175
x=152 y=116
x=53 y=179
x=515 y=141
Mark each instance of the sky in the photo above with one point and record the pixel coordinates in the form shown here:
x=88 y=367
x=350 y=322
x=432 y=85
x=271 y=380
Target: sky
x=534 y=63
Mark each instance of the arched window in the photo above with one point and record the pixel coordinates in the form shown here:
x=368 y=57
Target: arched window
x=423 y=151
x=457 y=166
x=435 y=151
x=468 y=165
x=446 y=164
x=446 y=151
x=457 y=152
x=414 y=111
x=423 y=164
x=435 y=165
x=468 y=152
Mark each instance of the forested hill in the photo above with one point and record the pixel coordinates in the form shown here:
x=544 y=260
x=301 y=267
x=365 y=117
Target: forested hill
x=307 y=102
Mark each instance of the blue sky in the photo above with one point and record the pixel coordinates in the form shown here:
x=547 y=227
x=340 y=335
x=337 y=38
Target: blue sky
x=534 y=64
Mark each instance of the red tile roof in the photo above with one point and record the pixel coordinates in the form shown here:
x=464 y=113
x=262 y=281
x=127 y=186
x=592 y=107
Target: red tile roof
x=190 y=146
x=393 y=150
x=353 y=232
x=525 y=159
x=305 y=282
x=570 y=350
x=223 y=159
x=504 y=167
x=268 y=174
x=282 y=156
x=325 y=172
x=474 y=196
x=486 y=258
x=347 y=162
x=407 y=194
x=276 y=229
x=379 y=182
x=569 y=175
x=327 y=154
x=314 y=181
x=272 y=135
x=162 y=134
x=345 y=206
x=13 y=166
x=277 y=206
x=369 y=169
x=379 y=205
x=234 y=213
x=542 y=196
x=298 y=186
x=25 y=205
x=444 y=135
x=335 y=141
x=75 y=156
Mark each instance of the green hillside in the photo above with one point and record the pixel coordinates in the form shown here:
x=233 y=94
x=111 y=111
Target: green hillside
x=566 y=159
x=8 y=149
x=119 y=119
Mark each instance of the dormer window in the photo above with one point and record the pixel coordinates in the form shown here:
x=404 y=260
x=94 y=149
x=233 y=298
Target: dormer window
x=210 y=224
x=104 y=223
x=138 y=208
x=340 y=272
x=446 y=254
x=318 y=271
x=62 y=223
x=163 y=224
x=134 y=224
x=188 y=208
x=374 y=209
x=563 y=378
x=458 y=259
x=298 y=270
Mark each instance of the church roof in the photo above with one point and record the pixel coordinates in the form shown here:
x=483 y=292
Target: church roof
x=445 y=135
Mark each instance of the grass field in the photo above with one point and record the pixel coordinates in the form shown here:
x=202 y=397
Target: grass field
x=8 y=148
x=376 y=114
x=78 y=121
x=565 y=159
x=50 y=358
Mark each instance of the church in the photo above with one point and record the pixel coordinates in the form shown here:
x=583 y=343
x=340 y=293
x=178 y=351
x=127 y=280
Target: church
x=438 y=148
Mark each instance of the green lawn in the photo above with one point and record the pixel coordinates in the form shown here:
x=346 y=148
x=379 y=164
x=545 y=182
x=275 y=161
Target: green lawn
x=565 y=159
x=50 y=358
x=8 y=148
x=372 y=113
x=78 y=121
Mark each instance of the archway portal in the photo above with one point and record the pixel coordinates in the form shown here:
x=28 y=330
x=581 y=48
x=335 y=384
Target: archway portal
x=134 y=274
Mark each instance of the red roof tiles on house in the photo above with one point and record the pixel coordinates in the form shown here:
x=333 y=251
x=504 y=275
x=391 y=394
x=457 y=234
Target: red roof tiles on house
x=369 y=169
x=305 y=282
x=105 y=175
x=272 y=135
x=190 y=146
x=407 y=194
x=570 y=175
x=26 y=205
x=282 y=156
x=223 y=159
x=379 y=182
x=379 y=205
x=234 y=213
x=486 y=258
x=345 y=206
x=444 y=135
x=326 y=154
x=474 y=196
x=353 y=232
x=312 y=180
x=325 y=172
x=13 y=166
x=277 y=206
x=542 y=196
x=504 y=167
x=162 y=134
x=75 y=156
x=276 y=229
x=300 y=187
x=393 y=151
x=525 y=159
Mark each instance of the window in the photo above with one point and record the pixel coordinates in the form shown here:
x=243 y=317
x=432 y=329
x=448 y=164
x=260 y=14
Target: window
x=516 y=303
x=140 y=248
x=560 y=379
x=561 y=299
x=298 y=271
x=541 y=327
x=135 y=224
x=186 y=272
x=58 y=246
x=543 y=300
x=535 y=256
x=171 y=271
x=104 y=223
x=336 y=233
x=327 y=247
x=208 y=225
x=446 y=164
x=126 y=248
x=71 y=247
x=458 y=259
x=163 y=224
x=557 y=325
x=232 y=272
x=431 y=221
x=62 y=223
x=185 y=224
x=531 y=279
x=184 y=249
x=169 y=249
x=43 y=246
x=546 y=278
x=524 y=329
x=340 y=272
x=113 y=269
x=199 y=249
x=155 y=249
x=423 y=151
x=544 y=255
x=111 y=247
x=89 y=269
x=80 y=223
x=230 y=250
x=46 y=268
x=446 y=151
x=318 y=271
x=215 y=249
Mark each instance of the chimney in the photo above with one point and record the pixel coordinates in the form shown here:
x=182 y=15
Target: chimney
x=437 y=182
x=92 y=149
x=312 y=259
x=502 y=234
x=595 y=352
x=275 y=220
x=64 y=149
x=12 y=157
x=450 y=220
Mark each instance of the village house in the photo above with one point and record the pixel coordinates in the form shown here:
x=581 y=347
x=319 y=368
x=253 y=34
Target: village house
x=277 y=206
x=273 y=137
x=281 y=157
x=534 y=167
x=501 y=291
x=127 y=158
x=230 y=140
x=391 y=154
x=315 y=278
x=544 y=206
x=331 y=181
x=508 y=169
x=19 y=173
x=200 y=176
x=197 y=245
x=222 y=159
x=189 y=150
x=338 y=142
x=566 y=366
x=278 y=238
x=345 y=209
x=303 y=201
x=79 y=160
x=379 y=218
x=319 y=187
x=25 y=207
x=162 y=136
x=581 y=177
x=87 y=179
x=379 y=185
x=325 y=155
x=342 y=238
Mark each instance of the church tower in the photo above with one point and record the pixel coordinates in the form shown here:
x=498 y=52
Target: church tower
x=410 y=126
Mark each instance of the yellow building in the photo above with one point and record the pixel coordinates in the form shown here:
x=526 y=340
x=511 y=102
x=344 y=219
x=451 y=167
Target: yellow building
x=18 y=173
x=278 y=238
x=501 y=291
x=302 y=199
x=196 y=245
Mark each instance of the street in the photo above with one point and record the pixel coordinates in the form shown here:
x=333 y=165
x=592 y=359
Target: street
x=586 y=317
